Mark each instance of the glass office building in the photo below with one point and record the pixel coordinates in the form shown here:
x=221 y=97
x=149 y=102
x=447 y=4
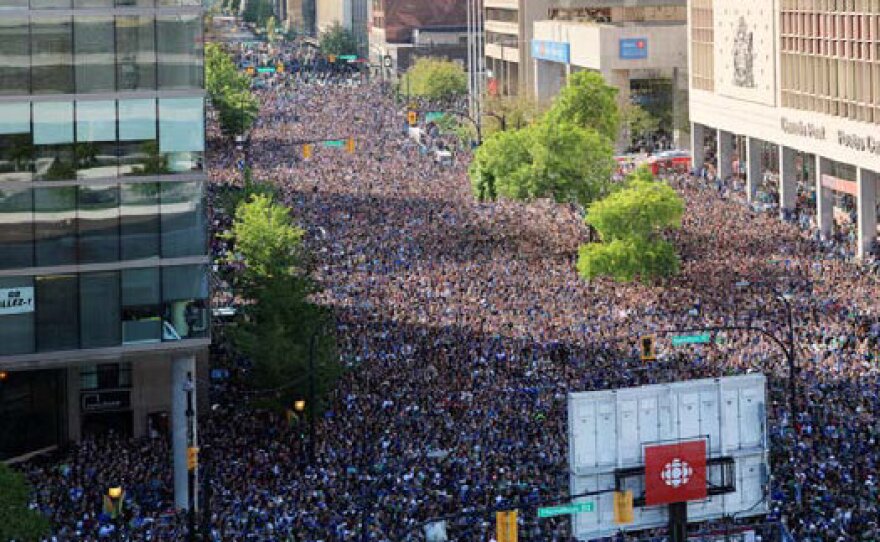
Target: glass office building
x=103 y=236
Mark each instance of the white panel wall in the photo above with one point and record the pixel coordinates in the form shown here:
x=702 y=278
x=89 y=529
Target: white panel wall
x=609 y=429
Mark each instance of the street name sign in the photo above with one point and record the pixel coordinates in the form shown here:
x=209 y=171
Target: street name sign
x=566 y=509
x=702 y=338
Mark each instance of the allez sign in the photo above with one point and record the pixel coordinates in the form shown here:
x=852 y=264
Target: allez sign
x=16 y=300
x=675 y=472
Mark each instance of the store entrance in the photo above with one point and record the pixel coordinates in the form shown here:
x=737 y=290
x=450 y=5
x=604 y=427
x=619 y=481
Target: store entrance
x=102 y=423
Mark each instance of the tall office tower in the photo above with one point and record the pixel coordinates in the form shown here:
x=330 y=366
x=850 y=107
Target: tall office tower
x=104 y=290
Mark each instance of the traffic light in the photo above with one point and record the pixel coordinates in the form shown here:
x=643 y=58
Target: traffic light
x=646 y=347
x=279 y=68
x=412 y=117
x=251 y=71
x=307 y=151
x=505 y=526
x=3 y=376
x=192 y=457
x=349 y=145
x=331 y=58
x=623 y=507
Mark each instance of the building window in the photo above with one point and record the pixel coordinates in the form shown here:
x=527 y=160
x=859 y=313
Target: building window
x=55 y=225
x=17 y=328
x=57 y=313
x=185 y=301
x=16 y=142
x=93 y=52
x=141 y=306
x=15 y=67
x=99 y=310
x=136 y=53
x=105 y=376
x=53 y=141
x=16 y=227
x=52 y=54
x=138 y=144
x=182 y=133
x=502 y=15
x=139 y=220
x=183 y=220
x=98 y=223
x=179 y=39
x=96 y=152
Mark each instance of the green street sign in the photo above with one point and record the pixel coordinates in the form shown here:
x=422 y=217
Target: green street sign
x=566 y=509
x=702 y=338
x=433 y=115
x=349 y=58
x=265 y=70
x=334 y=143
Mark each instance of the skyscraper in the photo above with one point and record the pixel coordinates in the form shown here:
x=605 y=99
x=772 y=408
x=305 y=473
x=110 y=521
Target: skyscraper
x=103 y=240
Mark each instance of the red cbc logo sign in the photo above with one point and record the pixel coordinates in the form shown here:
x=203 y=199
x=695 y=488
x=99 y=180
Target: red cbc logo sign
x=675 y=472
x=640 y=44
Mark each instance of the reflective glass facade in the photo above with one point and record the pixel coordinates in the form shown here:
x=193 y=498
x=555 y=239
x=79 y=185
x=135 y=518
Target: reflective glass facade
x=44 y=53
x=107 y=308
x=103 y=234
x=103 y=139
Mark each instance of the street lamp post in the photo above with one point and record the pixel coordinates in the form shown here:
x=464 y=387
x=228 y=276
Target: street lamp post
x=312 y=406
x=191 y=470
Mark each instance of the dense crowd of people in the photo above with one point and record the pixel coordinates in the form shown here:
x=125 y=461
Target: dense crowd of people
x=464 y=325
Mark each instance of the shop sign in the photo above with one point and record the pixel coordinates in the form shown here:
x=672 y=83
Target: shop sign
x=16 y=300
x=859 y=143
x=101 y=401
x=633 y=48
x=840 y=185
x=554 y=51
x=803 y=129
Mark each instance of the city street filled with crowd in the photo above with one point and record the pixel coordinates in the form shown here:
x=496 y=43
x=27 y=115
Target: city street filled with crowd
x=463 y=325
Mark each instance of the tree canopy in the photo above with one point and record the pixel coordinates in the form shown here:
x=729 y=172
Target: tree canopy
x=266 y=240
x=589 y=102
x=280 y=318
x=258 y=11
x=517 y=112
x=17 y=520
x=435 y=79
x=631 y=223
x=564 y=162
x=637 y=122
x=337 y=40
x=229 y=91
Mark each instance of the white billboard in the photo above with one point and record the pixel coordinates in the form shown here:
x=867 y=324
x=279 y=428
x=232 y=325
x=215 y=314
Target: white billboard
x=608 y=430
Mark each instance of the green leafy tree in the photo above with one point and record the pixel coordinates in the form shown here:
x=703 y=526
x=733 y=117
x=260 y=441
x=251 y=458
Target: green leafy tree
x=221 y=74
x=560 y=161
x=589 y=102
x=17 y=520
x=631 y=223
x=281 y=319
x=516 y=111
x=636 y=122
x=435 y=79
x=337 y=40
x=266 y=239
x=237 y=111
x=258 y=12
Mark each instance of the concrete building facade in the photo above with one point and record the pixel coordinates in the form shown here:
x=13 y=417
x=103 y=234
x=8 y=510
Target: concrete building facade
x=104 y=279
x=351 y=14
x=508 y=28
x=791 y=89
